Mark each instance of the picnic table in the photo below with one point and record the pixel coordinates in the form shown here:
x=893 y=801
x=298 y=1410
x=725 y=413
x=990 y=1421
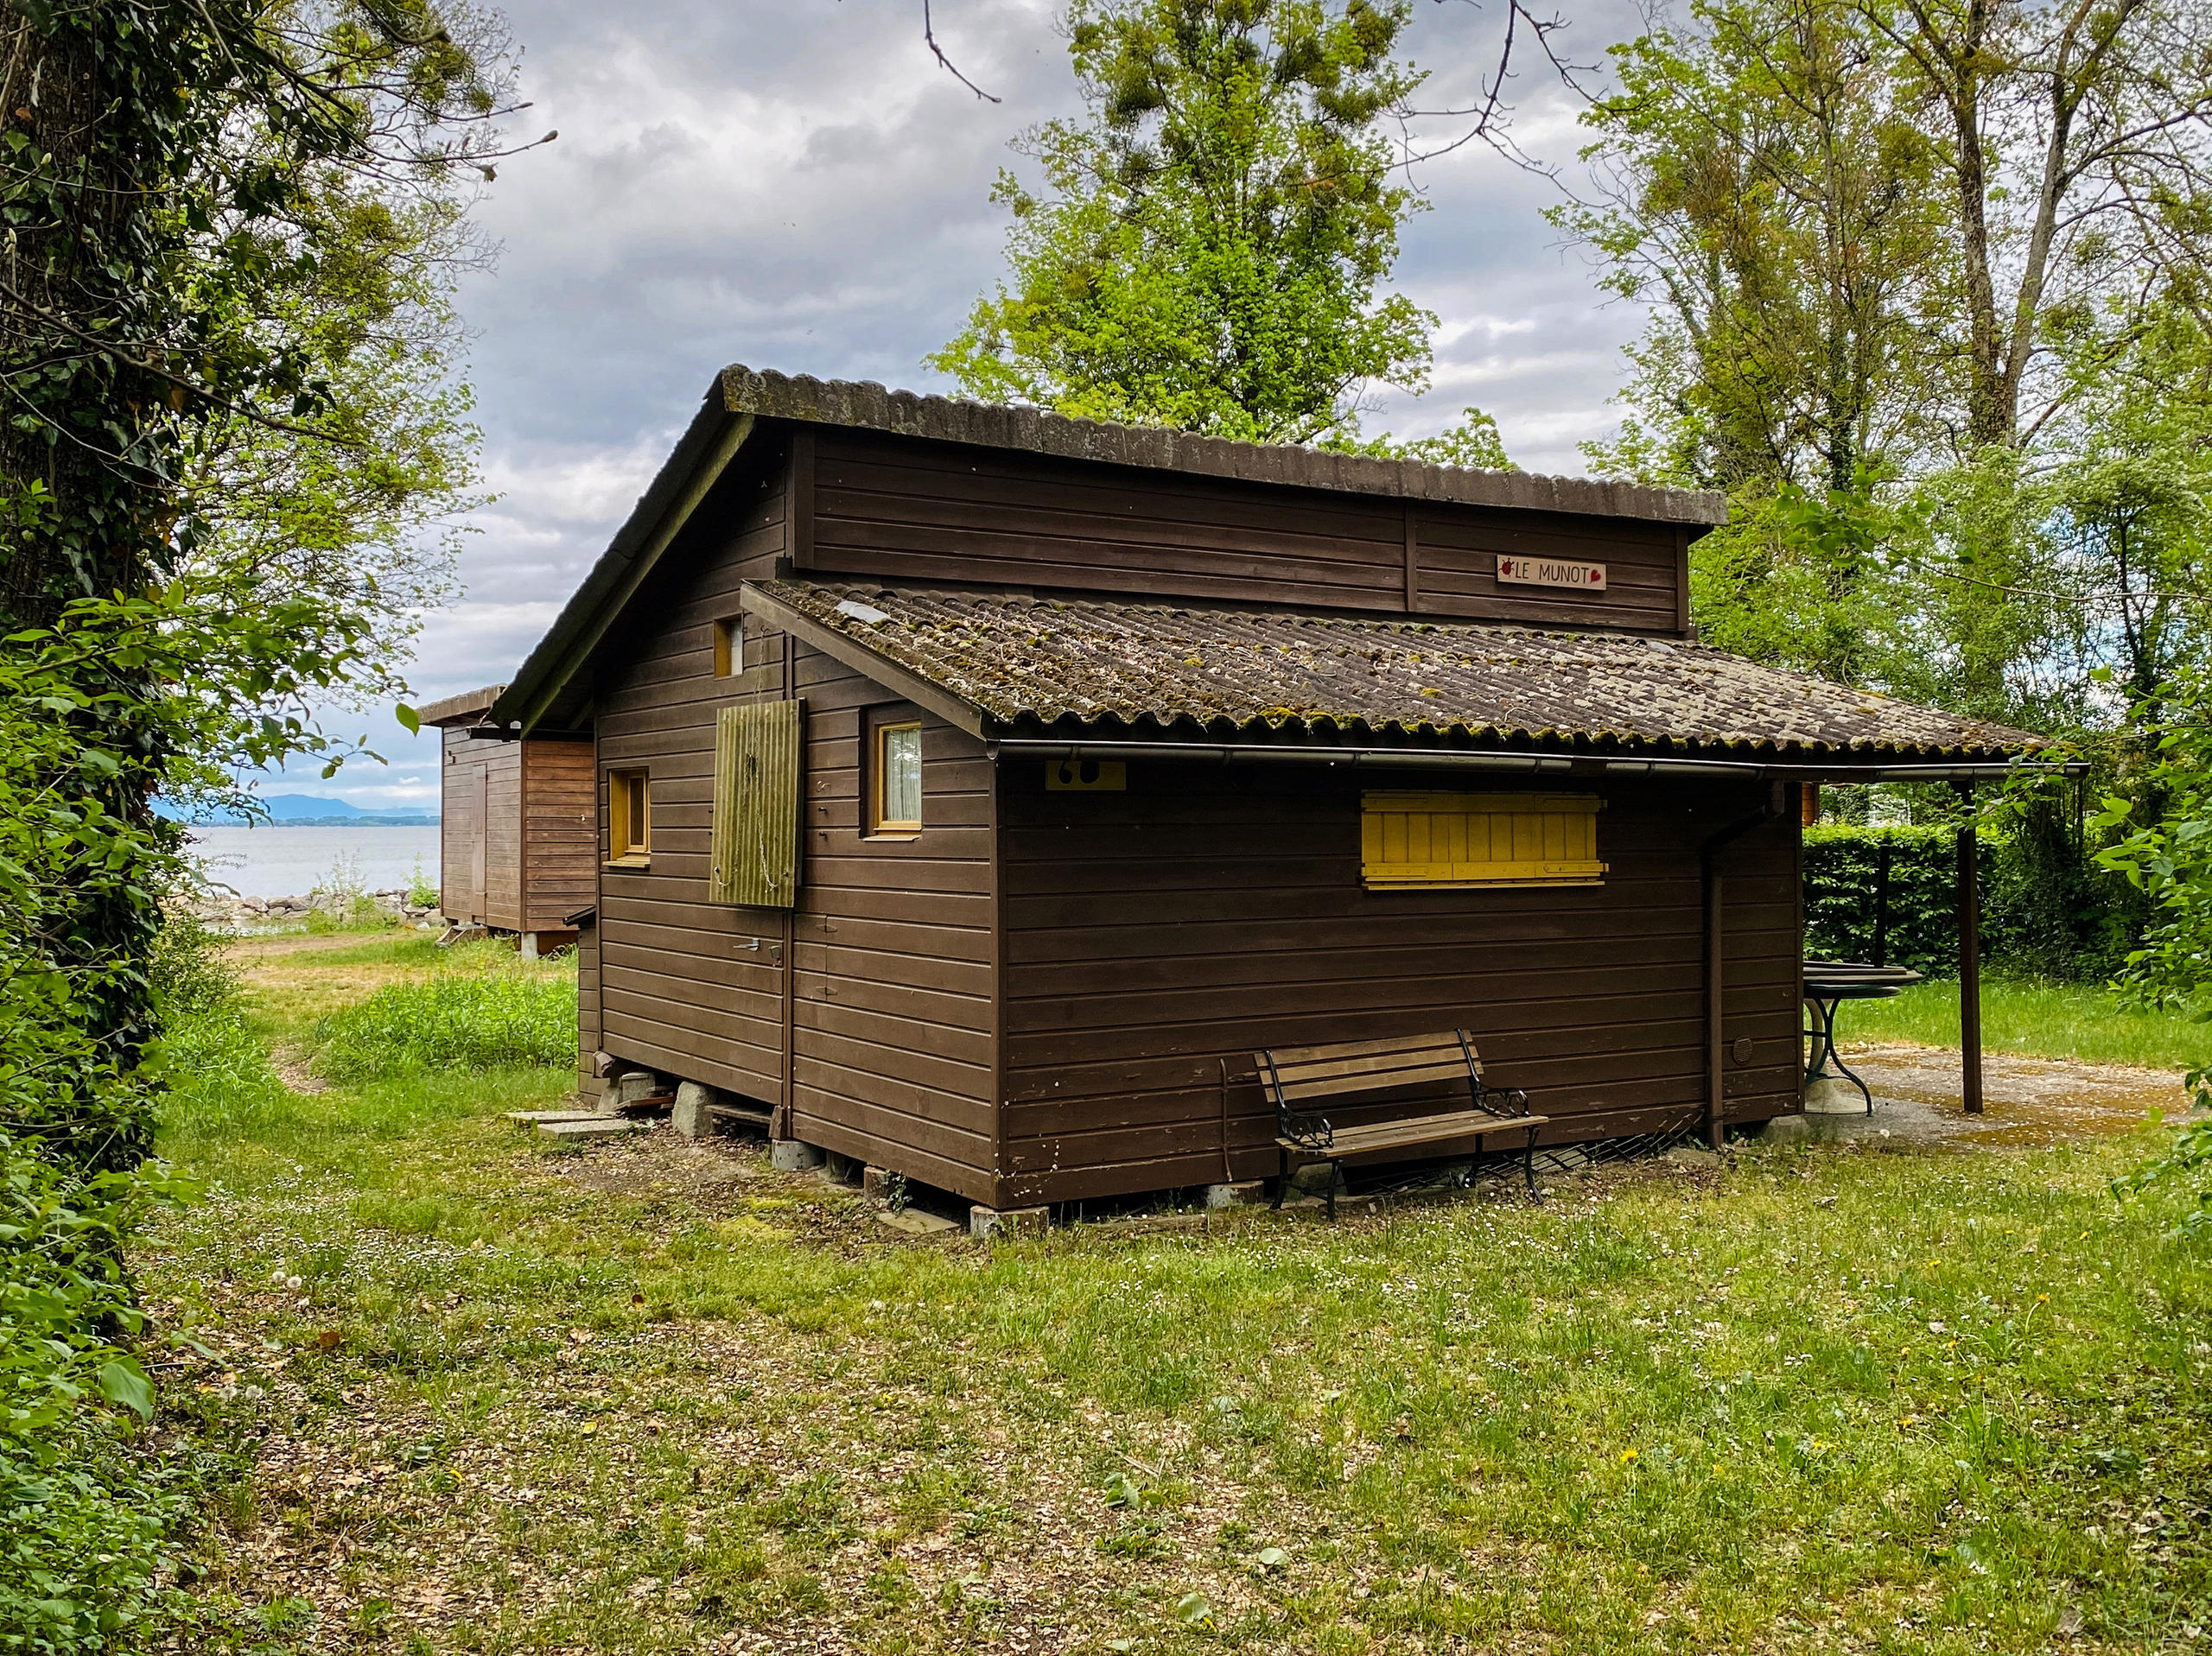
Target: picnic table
x=1828 y=984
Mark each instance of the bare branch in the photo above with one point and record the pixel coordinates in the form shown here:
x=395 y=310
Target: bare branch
x=928 y=39
x=1490 y=112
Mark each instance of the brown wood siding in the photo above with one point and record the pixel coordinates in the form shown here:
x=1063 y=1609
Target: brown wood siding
x=495 y=768
x=587 y=1041
x=1154 y=934
x=1459 y=548
x=892 y=507
x=893 y=1030
x=688 y=988
x=560 y=832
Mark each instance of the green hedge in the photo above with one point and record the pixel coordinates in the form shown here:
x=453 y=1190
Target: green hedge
x=1888 y=894
x=1892 y=894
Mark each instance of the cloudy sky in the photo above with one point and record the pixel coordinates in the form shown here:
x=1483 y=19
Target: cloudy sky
x=798 y=186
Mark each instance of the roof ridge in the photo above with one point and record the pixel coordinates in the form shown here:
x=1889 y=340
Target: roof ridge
x=868 y=405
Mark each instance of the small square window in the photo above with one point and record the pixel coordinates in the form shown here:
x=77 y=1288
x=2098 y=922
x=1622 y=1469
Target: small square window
x=895 y=799
x=629 y=816
x=729 y=647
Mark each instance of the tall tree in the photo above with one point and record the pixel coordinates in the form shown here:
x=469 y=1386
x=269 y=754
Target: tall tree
x=1762 y=183
x=1891 y=230
x=174 y=261
x=1207 y=250
x=2077 y=142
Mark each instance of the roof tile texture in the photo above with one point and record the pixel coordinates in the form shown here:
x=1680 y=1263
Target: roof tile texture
x=1025 y=662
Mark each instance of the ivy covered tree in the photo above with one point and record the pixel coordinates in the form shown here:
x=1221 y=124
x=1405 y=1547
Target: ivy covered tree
x=230 y=413
x=1208 y=246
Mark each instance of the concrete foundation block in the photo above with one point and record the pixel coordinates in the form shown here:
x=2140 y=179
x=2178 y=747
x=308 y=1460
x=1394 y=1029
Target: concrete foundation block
x=789 y=1156
x=689 y=1116
x=1787 y=1129
x=1244 y=1193
x=638 y=1085
x=919 y=1221
x=877 y=1183
x=1833 y=1096
x=602 y=1126
x=1008 y=1221
x=1316 y=1177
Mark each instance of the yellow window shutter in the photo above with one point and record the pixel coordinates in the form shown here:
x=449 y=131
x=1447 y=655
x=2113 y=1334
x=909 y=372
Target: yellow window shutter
x=1460 y=840
x=755 y=843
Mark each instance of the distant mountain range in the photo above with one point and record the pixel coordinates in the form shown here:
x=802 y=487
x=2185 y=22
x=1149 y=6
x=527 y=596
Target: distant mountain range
x=312 y=811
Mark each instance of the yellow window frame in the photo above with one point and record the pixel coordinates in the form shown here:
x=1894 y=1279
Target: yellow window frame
x=880 y=822
x=629 y=816
x=1432 y=841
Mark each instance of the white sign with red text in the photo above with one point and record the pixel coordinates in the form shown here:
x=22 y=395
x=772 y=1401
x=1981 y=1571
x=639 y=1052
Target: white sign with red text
x=1551 y=572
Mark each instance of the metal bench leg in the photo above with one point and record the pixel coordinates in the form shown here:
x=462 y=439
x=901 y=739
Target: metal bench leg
x=1282 y=1178
x=1528 y=1165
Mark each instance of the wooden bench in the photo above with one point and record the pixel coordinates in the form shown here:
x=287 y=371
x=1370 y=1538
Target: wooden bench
x=1299 y=1078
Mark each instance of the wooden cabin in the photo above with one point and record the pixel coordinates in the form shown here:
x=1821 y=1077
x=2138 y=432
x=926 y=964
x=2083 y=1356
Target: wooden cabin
x=978 y=789
x=517 y=837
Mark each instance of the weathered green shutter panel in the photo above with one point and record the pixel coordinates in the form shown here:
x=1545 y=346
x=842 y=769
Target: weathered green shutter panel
x=755 y=847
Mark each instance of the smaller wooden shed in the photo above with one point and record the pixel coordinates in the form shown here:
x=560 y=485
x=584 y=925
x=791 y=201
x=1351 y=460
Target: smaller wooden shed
x=518 y=824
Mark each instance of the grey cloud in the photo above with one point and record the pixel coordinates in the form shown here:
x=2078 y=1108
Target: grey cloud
x=798 y=186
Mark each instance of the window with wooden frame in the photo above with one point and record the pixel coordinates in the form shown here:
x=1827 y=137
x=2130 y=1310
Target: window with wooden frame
x=1410 y=840
x=729 y=647
x=894 y=779
x=629 y=816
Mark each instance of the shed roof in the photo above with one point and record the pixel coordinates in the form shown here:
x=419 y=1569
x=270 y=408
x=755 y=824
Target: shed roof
x=468 y=705
x=1044 y=666
x=865 y=404
x=545 y=686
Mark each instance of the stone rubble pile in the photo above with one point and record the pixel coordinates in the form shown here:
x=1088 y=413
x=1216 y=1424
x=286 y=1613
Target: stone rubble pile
x=226 y=909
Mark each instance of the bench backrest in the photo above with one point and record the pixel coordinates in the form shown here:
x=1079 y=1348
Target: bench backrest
x=1297 y=1075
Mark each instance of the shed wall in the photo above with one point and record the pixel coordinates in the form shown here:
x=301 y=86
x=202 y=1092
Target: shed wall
x=890 y=1021
x=685 y=985
x=560 y=832
x=480 y=828
x=1155 y=938
x=893 y=1024
x=901 y=508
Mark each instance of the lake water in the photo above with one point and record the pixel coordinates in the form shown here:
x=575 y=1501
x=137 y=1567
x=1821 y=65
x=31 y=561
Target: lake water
x=274 y=861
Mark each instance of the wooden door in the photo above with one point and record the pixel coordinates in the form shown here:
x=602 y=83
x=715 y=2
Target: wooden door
x=480 y=826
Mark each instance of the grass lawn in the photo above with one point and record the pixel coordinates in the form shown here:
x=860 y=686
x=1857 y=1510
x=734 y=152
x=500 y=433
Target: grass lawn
x=658 y=1398
x=2046 y=1020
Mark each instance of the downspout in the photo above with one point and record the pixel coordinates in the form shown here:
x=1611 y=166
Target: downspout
x=1714 y=885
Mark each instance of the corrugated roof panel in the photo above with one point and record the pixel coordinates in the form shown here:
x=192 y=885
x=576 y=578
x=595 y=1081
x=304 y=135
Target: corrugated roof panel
x=1025 y=663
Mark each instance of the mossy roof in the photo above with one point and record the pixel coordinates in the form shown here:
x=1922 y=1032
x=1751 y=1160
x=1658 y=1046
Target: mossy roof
x=1118 y=669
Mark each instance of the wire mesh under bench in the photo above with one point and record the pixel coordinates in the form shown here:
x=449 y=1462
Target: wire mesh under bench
x=1299 y=1078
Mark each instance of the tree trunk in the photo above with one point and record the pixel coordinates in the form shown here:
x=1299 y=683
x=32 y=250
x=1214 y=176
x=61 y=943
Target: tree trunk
x=71 y=101
x=82 y=465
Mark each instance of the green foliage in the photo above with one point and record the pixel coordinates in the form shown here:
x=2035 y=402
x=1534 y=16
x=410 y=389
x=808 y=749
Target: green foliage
x=1473 y=445
x=1764 y=182
x=191 y=286
x=422 y=891
x=1799 y=578
x=1890 y=892
x=467 y=1019
x=2168 y=856
x=1206 y=251
x=83 y=1519
x=1882 y=893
